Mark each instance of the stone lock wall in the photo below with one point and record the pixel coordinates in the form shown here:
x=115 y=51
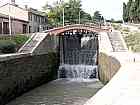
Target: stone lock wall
x=24 y=72
x=108 y=67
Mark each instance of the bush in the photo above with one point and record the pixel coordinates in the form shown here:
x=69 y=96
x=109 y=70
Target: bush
x=133 y=41
x=20 y=39
x=7 y=46
x=116 y=26
x=126 y=29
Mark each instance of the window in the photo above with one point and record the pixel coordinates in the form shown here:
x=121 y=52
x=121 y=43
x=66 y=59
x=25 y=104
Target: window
x=30 y=17
x=38 y=29
x=30 y=29
x=0 y=28
x=24 y=28
x=5 y=28
x=45 y=20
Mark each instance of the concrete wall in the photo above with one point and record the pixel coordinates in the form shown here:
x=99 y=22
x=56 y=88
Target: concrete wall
x=108 y=64
x=22 y=72
x=49 y=44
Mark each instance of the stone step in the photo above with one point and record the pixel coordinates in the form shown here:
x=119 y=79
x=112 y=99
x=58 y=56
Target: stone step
x=33 y=42
x=116 y=41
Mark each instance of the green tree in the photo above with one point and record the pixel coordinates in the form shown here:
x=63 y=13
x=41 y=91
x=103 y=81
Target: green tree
x=131 y=11
x=72 y=8
x=137 y=10
x=98 y=17
x=128 y=9
x=125 y=16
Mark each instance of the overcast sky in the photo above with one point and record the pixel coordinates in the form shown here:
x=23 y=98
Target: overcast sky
x=109 y=8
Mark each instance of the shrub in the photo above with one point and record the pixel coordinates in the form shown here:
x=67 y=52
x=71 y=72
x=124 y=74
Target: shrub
x=20 y=39
x=116 y=26
x=133 y=41
x=7 y=46
x=126 y=29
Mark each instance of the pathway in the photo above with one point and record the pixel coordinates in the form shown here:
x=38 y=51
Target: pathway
x=123 y=89
x=117 y=41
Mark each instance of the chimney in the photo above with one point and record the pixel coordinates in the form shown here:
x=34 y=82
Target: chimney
x=26 y=7
x=12 y=1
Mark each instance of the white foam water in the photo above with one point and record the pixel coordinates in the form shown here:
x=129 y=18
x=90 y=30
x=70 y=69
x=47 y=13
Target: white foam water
x=79 y=72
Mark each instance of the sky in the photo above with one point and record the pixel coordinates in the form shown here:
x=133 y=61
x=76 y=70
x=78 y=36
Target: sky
x=108 y=8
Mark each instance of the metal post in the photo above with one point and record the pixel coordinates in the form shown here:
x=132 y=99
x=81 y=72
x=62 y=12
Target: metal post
x=9 y=20
x=79 y=17
x=2 y=27
x=63 y=17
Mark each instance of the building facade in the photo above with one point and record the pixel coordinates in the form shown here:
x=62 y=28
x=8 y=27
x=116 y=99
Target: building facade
x=23 y=20
x=37 y=21
x=18 y=19
x=17 y=26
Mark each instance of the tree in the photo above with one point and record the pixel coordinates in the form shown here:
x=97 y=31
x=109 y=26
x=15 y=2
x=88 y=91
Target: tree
x=98 y=18
x=131 y=11
x=72 y=9
x=125 y=16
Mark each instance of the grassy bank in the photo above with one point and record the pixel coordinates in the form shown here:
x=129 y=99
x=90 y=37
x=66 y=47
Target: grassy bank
x=132 y=39
x=10 y=44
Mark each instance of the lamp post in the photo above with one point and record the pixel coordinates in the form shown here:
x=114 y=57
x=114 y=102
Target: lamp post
x=64 y=14
x=79 y=16
x=63 y=17
x=9 y=19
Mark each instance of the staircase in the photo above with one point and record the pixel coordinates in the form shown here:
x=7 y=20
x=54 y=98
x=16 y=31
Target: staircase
x=117 y=41
x=32 y=43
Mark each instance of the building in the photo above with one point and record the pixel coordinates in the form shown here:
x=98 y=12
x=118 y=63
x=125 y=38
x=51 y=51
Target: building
x=18 y=18
x=17 y=26
x=38 y=21
x=23 y=20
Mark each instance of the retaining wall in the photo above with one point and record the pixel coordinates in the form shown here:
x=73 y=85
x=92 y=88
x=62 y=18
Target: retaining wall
x=22 y=72
x=108 y=67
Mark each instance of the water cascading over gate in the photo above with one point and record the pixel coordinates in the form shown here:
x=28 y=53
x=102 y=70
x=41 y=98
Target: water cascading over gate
x=78 y=55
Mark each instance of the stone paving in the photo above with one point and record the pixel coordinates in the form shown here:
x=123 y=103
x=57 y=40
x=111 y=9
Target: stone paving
x=60 y=92
x=123 y=89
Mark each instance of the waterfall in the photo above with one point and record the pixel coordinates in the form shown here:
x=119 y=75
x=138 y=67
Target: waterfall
x=78 y=57
x=78 y=71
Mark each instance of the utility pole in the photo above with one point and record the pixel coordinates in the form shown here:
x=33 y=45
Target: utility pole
x=10 y=32
x=63 y=17
x=79 y=16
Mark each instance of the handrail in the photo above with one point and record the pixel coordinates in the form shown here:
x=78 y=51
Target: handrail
x=69 y=26
x=27 y=42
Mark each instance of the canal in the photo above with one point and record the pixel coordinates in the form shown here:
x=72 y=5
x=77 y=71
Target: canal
x=77 y=75
x=60 y=92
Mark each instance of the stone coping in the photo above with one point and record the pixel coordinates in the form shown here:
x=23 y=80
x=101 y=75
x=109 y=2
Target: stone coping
x=5 y=57
x=123 y=89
